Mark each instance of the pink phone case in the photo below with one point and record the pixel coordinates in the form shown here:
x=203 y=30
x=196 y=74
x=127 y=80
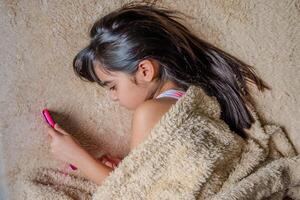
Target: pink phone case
x=51 y=122
x=48 y=117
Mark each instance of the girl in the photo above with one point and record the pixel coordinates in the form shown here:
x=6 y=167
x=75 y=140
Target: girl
x=147 y=60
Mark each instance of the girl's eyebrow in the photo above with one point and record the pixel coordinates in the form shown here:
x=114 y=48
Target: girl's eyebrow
x=106 y=82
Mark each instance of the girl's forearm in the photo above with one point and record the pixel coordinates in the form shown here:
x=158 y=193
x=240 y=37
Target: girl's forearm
x=92 y=168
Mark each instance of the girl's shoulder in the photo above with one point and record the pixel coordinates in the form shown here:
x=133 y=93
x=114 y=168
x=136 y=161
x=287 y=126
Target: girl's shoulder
x=160 y=106
x=146 y=116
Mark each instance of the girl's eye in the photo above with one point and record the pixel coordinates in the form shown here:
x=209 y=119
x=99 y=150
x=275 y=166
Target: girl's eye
x=112 y=88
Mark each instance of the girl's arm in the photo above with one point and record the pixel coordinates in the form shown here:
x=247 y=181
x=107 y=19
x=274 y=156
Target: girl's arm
x=93 y=169
x=67 y=149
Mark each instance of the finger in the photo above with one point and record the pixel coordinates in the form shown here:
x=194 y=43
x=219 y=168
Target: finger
x=59 y=129
x=48 y=127
x=109 y=164
x=103 y=159
x=52 y=133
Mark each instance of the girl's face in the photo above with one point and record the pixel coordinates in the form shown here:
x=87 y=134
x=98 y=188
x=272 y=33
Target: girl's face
x=121 y=87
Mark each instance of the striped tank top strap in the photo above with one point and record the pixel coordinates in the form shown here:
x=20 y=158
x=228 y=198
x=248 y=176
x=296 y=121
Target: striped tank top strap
x=171 y=93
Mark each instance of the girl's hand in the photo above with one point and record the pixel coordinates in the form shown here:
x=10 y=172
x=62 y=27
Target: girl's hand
x=110 y=161
x=67 y=149
x=63 y=146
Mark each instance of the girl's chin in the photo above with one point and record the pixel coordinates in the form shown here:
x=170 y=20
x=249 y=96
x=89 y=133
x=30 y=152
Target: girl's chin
x=127 y=107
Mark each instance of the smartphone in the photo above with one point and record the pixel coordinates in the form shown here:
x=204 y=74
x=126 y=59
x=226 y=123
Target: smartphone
x=48 y=117
x=51 y=122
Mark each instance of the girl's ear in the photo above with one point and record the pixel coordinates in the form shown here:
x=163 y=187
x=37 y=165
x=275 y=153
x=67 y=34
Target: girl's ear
x=147 y=70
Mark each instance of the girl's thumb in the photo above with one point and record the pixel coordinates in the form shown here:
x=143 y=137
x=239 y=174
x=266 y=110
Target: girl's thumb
x=52 y=133
x=59 y=129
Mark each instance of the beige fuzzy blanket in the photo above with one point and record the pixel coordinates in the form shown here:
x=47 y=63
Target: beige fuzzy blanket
x=190 y=154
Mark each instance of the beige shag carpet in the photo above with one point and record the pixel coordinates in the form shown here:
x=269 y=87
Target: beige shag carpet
x=40 y=38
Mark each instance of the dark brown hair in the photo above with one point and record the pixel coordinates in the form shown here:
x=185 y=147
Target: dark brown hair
x=136 y=31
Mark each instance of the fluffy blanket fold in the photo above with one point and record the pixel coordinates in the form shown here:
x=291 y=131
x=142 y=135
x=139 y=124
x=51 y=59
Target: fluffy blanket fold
x=189 y=154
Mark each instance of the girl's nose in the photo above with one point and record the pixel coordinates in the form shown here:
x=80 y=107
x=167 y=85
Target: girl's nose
x=113 y=96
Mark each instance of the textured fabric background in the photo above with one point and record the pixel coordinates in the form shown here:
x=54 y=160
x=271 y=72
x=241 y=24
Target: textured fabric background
x=40 y=38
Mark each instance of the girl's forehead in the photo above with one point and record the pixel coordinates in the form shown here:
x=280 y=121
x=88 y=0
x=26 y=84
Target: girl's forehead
x=103 y=74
